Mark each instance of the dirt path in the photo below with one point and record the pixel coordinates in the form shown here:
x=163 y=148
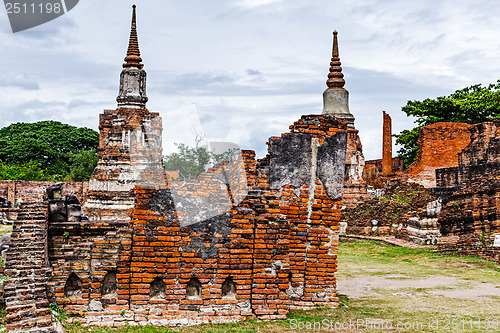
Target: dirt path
x=369 y=285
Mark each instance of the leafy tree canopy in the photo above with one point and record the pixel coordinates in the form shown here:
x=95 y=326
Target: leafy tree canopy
x=56 y=150
x=192 y=161
x=470 y=105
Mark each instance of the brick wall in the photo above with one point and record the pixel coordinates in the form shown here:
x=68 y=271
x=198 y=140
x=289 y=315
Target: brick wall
x=470 y=219
x=271 y=249
x=17 y=191
x=439 y=145
x=373 y=171
x=26 y=298
x=354 y=184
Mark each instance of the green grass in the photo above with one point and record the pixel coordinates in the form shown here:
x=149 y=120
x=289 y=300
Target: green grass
x=372 y=258
x=5 y=229
x=405 y=305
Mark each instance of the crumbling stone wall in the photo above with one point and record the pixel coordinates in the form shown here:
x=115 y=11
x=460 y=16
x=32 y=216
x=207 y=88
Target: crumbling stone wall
x=439 y=146
x=470 y=219
x=272 y=249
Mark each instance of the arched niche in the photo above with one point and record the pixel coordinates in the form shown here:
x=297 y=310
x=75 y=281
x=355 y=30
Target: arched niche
x=73 y=287
x=193 y=289
x=228 y=289
x=157 y=289
x=109 y=288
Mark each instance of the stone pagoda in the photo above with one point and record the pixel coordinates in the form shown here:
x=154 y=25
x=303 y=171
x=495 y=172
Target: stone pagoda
x=130 y=150
x=336 y=103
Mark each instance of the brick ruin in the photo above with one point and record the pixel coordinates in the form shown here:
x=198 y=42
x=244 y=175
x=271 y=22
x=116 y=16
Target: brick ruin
x=249 y=237
x=458 y=165
x=377 y=172
x=439 y=146
x=13 y=193
x=470 y=219
x=140 y=249
x=336 y=103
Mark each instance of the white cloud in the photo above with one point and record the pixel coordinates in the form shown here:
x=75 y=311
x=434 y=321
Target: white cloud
x=251 y=67
x=19 y=80
x=249 y=4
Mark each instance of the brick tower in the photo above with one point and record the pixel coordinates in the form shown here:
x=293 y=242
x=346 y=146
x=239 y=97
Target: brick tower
x=387 y=145
x=130 y=150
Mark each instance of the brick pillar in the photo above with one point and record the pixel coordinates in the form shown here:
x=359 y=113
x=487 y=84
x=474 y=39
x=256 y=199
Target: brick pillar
x=387 y=146
x=11 y=192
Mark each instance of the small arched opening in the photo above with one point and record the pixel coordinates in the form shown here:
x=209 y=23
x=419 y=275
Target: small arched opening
x=109 y=287
x=157 y=289
x=228 y=288
x=193 y=289
x=73 y=287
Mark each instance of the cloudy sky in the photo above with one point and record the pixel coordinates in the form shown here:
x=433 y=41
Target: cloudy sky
x=244 y=70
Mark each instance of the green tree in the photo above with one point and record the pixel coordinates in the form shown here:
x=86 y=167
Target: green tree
x=82 y=165
x=27 y=171
x=192 y=161
x=470 y=105
x=50 y=145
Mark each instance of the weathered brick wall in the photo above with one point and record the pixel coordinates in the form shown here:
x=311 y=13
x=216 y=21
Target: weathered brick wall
x=470 y=220
x=373 y=171
x=271 y=249
x=484 y=146
x=439 y=146
x=90 y=250
x=26 y=298
x=355 y=184
x=17 y=191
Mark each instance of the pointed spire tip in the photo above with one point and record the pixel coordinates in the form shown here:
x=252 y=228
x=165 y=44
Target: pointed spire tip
x=335 y=77
x=133 y=58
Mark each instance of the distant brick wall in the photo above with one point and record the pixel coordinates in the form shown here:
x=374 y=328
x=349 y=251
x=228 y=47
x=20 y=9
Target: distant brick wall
x=354 y=184
x=470 y=220
x=373 y=170
x=439 y=146
x=17 y=191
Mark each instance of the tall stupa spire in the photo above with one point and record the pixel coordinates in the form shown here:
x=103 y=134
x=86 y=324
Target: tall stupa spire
x=133 y=78
x=335 y=77
x=336 y=97
x=133 y=58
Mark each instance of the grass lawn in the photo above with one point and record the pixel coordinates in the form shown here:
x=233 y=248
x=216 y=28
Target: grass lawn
x=420 y=309
x=5 y=229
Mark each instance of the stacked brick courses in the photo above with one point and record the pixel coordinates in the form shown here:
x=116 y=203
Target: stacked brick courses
x=355 y=184
x=17 y=191
x=471 y=218
x=129 y=153
x=27 y=267
x=439 y=146
x=278 y=246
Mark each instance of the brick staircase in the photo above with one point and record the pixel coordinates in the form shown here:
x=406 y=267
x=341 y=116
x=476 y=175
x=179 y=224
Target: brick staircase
x=28 y=270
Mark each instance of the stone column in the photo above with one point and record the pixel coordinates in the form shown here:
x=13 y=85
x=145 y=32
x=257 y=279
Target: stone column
x=387 y=146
